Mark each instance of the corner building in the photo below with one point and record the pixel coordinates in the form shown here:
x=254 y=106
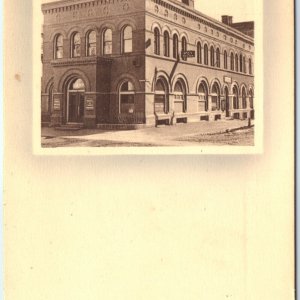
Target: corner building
x=143 y=62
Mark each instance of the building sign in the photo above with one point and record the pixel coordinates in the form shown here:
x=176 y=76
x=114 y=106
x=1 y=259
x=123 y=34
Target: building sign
x=227 y=79
x=189 y=53
x=89 y=104
x=56 y=104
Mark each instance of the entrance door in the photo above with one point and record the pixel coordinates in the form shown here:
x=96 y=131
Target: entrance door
x=76 y=107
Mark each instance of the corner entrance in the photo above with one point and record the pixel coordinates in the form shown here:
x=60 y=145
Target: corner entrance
x=75 y=102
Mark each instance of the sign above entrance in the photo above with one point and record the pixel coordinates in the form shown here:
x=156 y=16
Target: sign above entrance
x=188 y=54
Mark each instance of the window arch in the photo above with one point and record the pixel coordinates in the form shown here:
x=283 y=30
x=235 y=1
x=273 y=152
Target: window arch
x=58 y=47
x=218 y=58
x=179 y=97
x=225 y=60
x=127 y=39
x=236 y=63
x=76 y=45
x=166 y=44
x=212 y=56
x=215 y=97
x=244 y=98
x=107 y=41
x=231 y=62
x=91 y=43
x=161 y=98
x=205 y=54
x=250 y=66
x=126 y=98
x=199 y=54
x=156 y=41
x=203 y=97
x=241 y=63
x=183 y=47
x=235 y=98
x=175 y=46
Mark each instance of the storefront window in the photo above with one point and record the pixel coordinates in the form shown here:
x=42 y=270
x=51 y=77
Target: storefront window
x=127 y=98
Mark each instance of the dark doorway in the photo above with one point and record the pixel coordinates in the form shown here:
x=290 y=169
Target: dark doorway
x=227 y=104
x=76 y=107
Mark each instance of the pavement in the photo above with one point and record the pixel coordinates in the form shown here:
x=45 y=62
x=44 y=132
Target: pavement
x=177 y=135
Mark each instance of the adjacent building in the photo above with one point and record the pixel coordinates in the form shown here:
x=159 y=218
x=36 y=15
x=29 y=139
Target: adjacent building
x=143 y=62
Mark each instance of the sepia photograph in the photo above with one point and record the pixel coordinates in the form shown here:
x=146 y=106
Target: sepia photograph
x=151 y=73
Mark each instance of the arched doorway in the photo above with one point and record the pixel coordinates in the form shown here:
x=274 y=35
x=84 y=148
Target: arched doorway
x=179 y=97
x=227 y=104
x=75 y=101
x=161 y=97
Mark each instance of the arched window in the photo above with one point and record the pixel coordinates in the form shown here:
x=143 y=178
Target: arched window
x=212 y=56
x=205 y=54
x=183 y=47
x=161 y=98
x=199 y=54
x=250 y=66
x=218 y=58
x=107 y=41
x=244 y=99
x=244 y=64
x=59 y=47
x=231 y=62
x=203 y=97
x=91 y=43
x=175 y=46
x=156 y=41
x=251 y=99
x=236 y=63
x=235 y=98
x=241 y=63
x=76 y=45
x=225 y=60
x=166 y=44
x=215 y=97
x=127 y=39
x=126 y=95
x=179 y=97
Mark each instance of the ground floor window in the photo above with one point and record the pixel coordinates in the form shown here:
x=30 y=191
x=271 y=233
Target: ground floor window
x=161 y=103
x=203 y=97
x=244 y=99
x=179 y=97
x=215 y=98
x=251 y=99
x=127 y=98
x=235 y=98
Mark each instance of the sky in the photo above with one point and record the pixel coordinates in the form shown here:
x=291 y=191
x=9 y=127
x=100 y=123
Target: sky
x=241 y=10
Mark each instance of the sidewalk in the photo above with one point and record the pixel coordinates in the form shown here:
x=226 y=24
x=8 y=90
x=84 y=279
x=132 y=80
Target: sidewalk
x=177 y=135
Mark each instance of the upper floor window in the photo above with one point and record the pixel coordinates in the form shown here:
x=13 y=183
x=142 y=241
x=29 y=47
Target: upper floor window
x=199 y=54
x=244 y=64
x=231 y=62
x=91 y=43
x=225 y=60
x=166 y=44
x=156 y=41
x=241 y=63
x=250 y=66
x=76 y=45
x=127 y=39
x=236 y=63
x=107 y=41
x=175 y=46
x=184 y=48
x=212 y=56
x=218 y=63
x=58 y=47
x=205 y=54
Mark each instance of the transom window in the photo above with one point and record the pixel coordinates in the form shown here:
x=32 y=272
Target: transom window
x=91 y=43
x=76 y=45
x=107 y=41
x=77 y=85
x=58 y=47
x=127 y=39
x=127 y=98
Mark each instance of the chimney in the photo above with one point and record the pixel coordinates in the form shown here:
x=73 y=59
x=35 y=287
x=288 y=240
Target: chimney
x=227 y=20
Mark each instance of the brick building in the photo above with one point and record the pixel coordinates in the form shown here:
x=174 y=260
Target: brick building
x=143 y=62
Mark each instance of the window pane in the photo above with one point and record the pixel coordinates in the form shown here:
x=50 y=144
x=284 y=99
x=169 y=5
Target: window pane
x=59 y=52
x=127 y=46
x=92 y=37
x=127 y=104
x=59 y=40
x=128 y=33
x=127 y=86
x=107 y=47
